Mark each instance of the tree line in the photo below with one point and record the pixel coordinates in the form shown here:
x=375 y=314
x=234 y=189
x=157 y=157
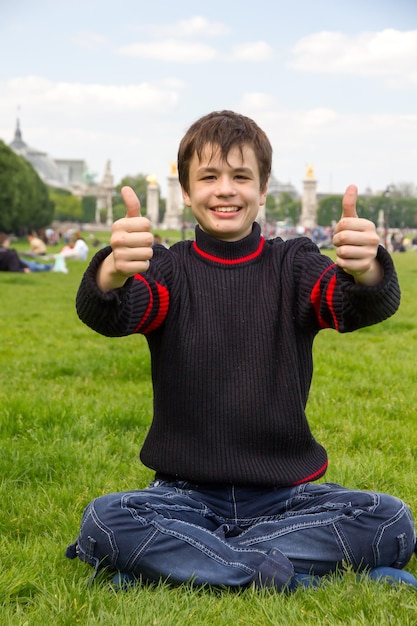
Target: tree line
x=398 y=205
x=28 y=204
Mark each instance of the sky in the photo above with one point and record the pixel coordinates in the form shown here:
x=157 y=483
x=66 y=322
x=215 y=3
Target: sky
x=332 y=83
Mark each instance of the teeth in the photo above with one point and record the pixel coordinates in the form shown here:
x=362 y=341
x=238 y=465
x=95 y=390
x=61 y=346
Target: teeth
x=226 y=209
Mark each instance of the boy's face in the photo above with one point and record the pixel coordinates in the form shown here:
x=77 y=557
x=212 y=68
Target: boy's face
x=225 y=197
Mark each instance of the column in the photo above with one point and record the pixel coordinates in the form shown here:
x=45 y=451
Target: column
x=174 y=204
x=152 y=201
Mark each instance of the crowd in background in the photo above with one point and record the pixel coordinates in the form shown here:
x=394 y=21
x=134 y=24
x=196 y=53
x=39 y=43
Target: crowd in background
x=37 y=258
x=74 y=246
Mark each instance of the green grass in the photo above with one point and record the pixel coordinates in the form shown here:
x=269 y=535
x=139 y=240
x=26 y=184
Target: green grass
x=74 y=409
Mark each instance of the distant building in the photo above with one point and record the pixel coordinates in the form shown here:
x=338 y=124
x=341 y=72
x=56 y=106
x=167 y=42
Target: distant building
x=70 y=174
x=73 y=171
x=276 y=188
x=46 y=167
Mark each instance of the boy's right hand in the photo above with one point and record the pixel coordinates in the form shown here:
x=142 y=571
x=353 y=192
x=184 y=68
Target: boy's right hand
x=131 y=241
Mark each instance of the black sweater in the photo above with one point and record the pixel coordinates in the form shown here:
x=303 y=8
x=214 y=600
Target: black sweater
x=9 y=261
x=230 y=328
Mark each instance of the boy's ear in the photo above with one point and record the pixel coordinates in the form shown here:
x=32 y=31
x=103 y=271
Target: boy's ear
x=264 y=192
x=186 y=197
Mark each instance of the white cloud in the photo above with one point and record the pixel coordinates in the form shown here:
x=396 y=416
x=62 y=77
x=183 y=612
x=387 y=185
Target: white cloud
x=90 y=41
x=196 y=26
x=389 y=53
x=176 y=51
x=35 y=91
x=170 y=50
x=255 y=51
x=319 y=118
x=256 y=101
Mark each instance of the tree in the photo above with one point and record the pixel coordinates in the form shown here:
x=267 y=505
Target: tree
x=24 y=199
x=289 y=208
x=329 y=210
x=67 y=206
x=402 y=190
x=271 y=208
x=139 y=185
x=398 y=207
x=88 y=204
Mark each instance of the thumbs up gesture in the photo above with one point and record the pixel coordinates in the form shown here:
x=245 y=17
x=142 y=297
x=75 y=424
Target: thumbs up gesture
x=356 y=242
x=131 y=241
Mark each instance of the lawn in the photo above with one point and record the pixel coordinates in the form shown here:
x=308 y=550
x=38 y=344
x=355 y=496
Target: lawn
x=74 y=408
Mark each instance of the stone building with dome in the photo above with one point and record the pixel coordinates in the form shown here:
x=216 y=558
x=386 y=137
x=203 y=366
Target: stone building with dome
x=276 y=188
x=69 y=174
x=46 y=167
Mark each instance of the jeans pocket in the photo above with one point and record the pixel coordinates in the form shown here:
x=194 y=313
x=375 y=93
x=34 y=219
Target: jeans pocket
x=404 y=551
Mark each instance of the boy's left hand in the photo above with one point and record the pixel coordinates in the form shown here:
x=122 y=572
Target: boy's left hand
x=356 y=242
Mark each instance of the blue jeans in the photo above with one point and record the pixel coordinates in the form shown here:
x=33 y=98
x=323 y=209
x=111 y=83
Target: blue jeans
x=38 y=267
x=235 y=536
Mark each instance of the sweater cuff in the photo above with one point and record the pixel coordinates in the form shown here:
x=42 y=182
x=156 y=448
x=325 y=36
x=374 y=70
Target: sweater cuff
x=90 y=280
x=388 y=280
x=382 y=299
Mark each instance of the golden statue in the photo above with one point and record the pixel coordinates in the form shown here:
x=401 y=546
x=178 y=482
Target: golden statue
x=173 y=167
x=310 y=172
x=151 y=180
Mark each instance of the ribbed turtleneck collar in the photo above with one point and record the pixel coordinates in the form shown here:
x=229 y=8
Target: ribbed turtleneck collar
x=229 y=252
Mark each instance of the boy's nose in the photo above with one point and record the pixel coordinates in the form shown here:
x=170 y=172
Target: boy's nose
x=225 y=186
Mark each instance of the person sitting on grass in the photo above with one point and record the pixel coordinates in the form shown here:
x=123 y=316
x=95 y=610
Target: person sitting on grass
x=37 y=246
x=11 y=262
x=77 y=249
x=230 y=319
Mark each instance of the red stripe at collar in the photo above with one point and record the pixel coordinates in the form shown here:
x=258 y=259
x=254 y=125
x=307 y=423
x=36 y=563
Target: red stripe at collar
x=243 y=259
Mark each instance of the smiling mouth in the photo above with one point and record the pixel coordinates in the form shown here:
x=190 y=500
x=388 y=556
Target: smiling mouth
x=226 y=209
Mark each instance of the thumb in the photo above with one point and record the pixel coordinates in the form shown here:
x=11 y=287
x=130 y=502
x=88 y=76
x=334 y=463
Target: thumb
x=349 y=202
x=131 y=202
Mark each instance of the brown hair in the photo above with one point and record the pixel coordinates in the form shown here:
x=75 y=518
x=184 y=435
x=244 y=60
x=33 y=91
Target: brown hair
x=227 y=130
x=3 y=238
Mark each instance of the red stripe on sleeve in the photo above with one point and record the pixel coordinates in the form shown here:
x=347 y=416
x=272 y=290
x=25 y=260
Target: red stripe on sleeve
x=150 y=304
x=329 y=300
x=163 y=297
x=315 y=297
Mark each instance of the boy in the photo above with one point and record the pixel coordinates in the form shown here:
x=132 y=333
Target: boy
x=230 y=321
